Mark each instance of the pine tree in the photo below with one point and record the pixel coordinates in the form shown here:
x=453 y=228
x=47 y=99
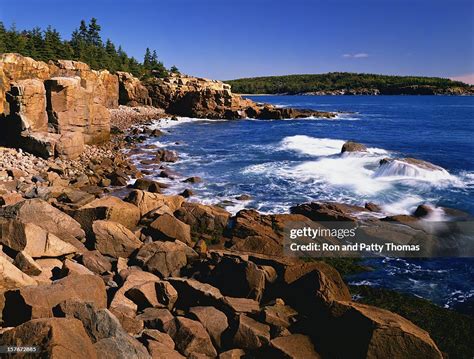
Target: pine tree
x=93 y=33
x=147 y=59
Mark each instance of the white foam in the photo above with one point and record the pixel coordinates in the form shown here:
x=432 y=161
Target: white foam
x=312 y=146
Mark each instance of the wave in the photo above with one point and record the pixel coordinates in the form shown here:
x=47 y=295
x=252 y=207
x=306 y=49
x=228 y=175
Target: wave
x=312 y=146
x=396 y=170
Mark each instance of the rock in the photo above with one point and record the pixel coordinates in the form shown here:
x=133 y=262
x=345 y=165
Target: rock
x=50 y=270
x=350 y=146
x=108 y=208
x=159 y=337
x=11 y=277
x=166 y=294
x=372 y=207
x=44 y=215
x=168 y=228
x=375 y=333
x=156 y=318
x=194 y=293
x=241 y=305
x=213 y=320
x=123 y=307
x=32 y=240
x=131 y=90
x=423 y=210
x=143 y=295
x=164 y=258
x=194 y=179
x=104 y=330
x=163 y=155
x=191 y=337
x=294 y=346
x=161 y=351
x=9 y=199
x=159 y=203
x=251 y=334
x=147 y=185
x=259 y=233
x=114 y=239
x=35 y=302
x=95 y=262
x=69 y=268
x=27 y=264
x=232 y=354
x=70 y=145
x=243 y=197
x=203 y=219
x=408 y=161
x=279 y=315
x=187 y=193
x=328 y=211
x=54 y=337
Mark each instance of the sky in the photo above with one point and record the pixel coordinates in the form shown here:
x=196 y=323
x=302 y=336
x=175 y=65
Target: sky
x=227 y=39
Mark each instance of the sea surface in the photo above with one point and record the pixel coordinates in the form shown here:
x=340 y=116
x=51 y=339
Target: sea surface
x=281 y=163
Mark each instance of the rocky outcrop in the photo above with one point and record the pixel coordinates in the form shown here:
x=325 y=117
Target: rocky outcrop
x=184 y=95
x=131 y=91
x=40 y=100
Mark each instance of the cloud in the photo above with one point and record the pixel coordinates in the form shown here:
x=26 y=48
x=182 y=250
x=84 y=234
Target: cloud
x=359 y=55
x=466 y=78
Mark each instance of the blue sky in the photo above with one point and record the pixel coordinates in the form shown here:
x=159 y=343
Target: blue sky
x=226 y=39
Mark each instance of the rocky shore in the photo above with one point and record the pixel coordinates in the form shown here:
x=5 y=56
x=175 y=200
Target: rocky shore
x=96 y=262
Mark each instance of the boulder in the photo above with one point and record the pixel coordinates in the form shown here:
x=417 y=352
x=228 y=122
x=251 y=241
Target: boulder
x=213 y=320
x=168 y=228
x=54 y=337
x=350 y=146
x=161 y=351
x=39 y=301
x=70 y=145
x=241 y=305
x=279 y=314
x=104 y=330
x=73 y=268
x=191 y=338
x=328 y=211
x=95 y=262
x=11 y=277
x=232 y=354
x=147 y=185
x=294 y=346
x=194 y=293
x=147 y=202
x=44 y=215
x=156 y=318
x=107 y=208
x=203 y=219
x=114 y=239
x=33 y=240
x=27 y=264
x=41 y=144
x=164 y=258
x=372 y=332
x=251 y=334
x=163 y=155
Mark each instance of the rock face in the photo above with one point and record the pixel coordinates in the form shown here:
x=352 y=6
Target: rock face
x=198 y=97
x=131 y=90
x=59 y=97
x=54 y=337
x=351 y=146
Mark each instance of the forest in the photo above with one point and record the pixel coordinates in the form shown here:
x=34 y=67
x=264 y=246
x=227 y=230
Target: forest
x=85 y=44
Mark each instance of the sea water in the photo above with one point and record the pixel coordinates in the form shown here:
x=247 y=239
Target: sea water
x=280 y=163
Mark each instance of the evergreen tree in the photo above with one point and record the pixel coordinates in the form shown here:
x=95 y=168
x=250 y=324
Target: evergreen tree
x=147 y=59
x=93 y=33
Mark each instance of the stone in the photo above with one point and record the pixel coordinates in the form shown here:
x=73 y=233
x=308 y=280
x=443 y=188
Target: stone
x=232 y=354
x=33 y=240
x=251 y=334
x=376 y=333
x=95 y=262
x=70 y=145
x=163 y=155
x=351 y=146
x=114 y=239
x=11 y=277
x=372 y=207
x=70 y=267
x=147 y=202
x=107 y=208
x=156 y=318
x=9 y=199
x=294 y=346
x=147 y=185
x=131 y=90
x=213 y=320
x=55 y=338
x=27 y=264
x=203 y=219
x=161 y=351
x=166 y=294
x=164 y=258
x=193 y=179
x=168 y=228
x=423 y=210
x=144 y=295
x=194 y=293
x=35 y=302
x=191 y=338
x=328 y=211
x=158 y=337
x=44 y=215
x=279 y=315
x=241 y=305
x=50 y=269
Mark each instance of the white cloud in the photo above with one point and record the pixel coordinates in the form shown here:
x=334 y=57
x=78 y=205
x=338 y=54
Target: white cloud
x=358 y=55
x=466 y=78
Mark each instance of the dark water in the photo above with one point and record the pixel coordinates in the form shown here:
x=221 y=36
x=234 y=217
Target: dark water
x=282 y=163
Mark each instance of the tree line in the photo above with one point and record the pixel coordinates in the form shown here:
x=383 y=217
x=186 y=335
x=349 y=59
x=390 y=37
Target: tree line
x=85 y=45
x=293 y=84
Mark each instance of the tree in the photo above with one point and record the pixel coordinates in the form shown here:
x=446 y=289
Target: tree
x=93 y=33
x=174 y=70
x=147 y=59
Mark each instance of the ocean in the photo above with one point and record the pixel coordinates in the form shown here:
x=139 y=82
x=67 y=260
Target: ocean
x=280 y=163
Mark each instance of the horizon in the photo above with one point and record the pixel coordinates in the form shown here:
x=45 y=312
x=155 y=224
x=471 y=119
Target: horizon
x=232 y=40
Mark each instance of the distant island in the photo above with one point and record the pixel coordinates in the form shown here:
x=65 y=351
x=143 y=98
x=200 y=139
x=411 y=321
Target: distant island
x=346 y=83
